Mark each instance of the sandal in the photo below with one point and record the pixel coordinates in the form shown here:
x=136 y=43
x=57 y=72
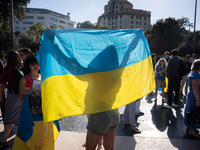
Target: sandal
x=126 y=123
x=3 y=145
x=163 y=101
x=135 y=129
x=194 y=134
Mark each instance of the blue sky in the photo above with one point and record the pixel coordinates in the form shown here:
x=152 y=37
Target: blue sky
x=89 y=10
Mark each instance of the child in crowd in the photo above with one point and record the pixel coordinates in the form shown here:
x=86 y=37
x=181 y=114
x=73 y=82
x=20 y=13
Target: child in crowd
x=160 y=72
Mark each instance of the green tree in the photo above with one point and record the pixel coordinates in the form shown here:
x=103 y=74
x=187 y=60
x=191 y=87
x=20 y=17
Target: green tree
x=18 y=9
x=102 y=27
x=5 y=32
x=31 y=38
x=166 y=34
x=85 y=25
x=55 y=26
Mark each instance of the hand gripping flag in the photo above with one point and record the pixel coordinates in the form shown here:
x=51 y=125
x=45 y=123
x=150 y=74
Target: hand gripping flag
x=89 y=71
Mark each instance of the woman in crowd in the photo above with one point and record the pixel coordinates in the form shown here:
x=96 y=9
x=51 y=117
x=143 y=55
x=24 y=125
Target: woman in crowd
x=193 y=97
x=5 y=59
x=13 y=104
x=160 y=73
x=40 y=136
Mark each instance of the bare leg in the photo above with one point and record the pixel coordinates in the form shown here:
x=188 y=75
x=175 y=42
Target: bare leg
x=156 y=93
x=6 y=132
x=163 y=92
x=92 y=140
x=100 y=144
x=109 y=139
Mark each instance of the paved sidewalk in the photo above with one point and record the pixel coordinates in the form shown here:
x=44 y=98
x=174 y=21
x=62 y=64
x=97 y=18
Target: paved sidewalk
x=162 y=129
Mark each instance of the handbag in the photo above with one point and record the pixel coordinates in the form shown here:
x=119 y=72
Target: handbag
x=193 y=117
x=34 y=98
x=35 y=105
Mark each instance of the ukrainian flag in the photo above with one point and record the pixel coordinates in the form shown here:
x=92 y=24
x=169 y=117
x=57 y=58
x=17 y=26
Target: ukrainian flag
x=32 y=133
x=89 y=71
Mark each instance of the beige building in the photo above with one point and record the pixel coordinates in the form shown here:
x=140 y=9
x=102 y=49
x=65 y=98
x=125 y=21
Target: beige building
x=119 y=14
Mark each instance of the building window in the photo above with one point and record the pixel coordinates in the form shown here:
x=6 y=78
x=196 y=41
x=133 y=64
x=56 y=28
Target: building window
x=24 y=28
x=30 y=17
x=136 y=27
x=104 y=23
x=136 y=22
x=136 y=17
x=70 y=24
x=104 y=19
x=140 y=18
x=122 y=7
x=131 y=27
x=109 y=8
x=112 y=27
x=120 y=27
x=42 y=18
x=28 y=22
x=52 y=19
x=116 y=17
x=131 y=22
x=17 y=22
x=120 y=21
x=115 y=22
x=108 y=23
x=116 y=7
x=144 y=28
x=109 y=18
x=115 y=27
x=106 y=9
x=144 y=23
x=17 y=28
x=139 y=23
x=131 y=17
x=51 y=24
x=112 y=18
x=62 y=21
x=145 y=18
x=120 y=16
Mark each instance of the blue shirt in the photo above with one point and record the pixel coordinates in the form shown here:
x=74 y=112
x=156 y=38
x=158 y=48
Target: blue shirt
x=160 y=76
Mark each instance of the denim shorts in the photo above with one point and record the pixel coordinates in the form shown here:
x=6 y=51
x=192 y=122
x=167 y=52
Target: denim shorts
x=100 y=123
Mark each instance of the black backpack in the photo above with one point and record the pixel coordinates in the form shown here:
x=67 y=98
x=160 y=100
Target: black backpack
x=183 y=68
x=18 y=74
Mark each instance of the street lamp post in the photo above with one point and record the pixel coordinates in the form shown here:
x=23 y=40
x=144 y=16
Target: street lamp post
x=194 y=26
x=12 y=25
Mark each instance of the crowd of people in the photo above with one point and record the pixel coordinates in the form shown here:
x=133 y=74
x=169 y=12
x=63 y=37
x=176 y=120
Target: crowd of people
x=14 y=104
x=101 y=127
x=168 y=70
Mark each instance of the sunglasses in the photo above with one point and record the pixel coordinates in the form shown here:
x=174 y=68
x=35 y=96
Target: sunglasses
x=22 y=55
x=34 y=63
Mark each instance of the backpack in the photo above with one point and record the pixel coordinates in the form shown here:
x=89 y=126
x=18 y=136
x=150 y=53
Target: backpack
x=183 y=68
x=18 y=74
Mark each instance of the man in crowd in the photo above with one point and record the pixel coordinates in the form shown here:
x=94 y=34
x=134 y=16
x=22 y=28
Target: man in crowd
x=174 y=79
x=24 y=53
x=167 y=57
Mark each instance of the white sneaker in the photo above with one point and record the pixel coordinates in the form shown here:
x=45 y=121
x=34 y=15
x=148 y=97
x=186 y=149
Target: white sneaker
x=174 y=105
x=167 y=106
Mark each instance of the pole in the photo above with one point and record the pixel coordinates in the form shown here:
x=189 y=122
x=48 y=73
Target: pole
x=12 y=25
x=194 y=26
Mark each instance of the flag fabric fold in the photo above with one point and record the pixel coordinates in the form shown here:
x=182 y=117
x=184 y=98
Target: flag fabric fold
x=89 y=71
x=32 y=134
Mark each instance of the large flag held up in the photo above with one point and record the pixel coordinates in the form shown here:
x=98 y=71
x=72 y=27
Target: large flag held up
x=89 y=71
